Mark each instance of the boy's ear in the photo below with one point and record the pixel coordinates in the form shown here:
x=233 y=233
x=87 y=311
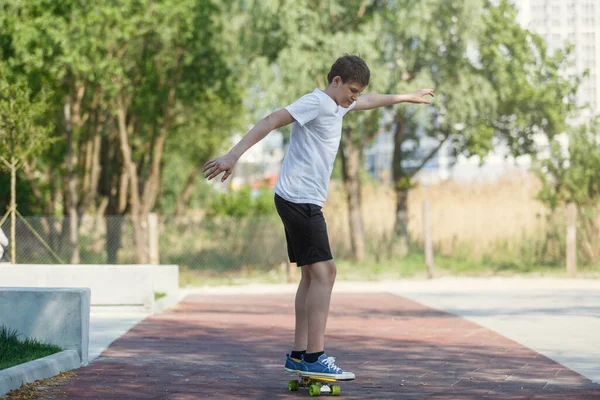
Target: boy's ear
x=337 y=81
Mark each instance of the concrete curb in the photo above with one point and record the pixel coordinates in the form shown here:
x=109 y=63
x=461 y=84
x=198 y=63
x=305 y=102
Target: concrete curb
x=47 y=367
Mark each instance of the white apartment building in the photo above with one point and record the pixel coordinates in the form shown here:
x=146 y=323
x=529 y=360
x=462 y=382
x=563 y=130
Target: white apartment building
x=557 y=22
x=573 y=21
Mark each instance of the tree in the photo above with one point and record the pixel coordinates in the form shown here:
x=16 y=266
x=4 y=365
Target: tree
x=494 y=81
x=201 y=135
x=128 y=76
x=21 y=134
x=356 y=134
x=166 y=69
x=570 y=174
x=315 y=34
x=533 y=90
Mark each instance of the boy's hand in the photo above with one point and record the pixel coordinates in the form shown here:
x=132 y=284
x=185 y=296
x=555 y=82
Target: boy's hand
x=417 y=97
x=217 y=165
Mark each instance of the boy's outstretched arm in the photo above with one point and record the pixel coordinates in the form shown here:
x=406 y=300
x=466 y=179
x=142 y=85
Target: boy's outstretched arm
x=373 y=100
x=226 y=162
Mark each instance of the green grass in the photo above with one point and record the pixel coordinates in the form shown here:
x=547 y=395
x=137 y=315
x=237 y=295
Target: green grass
x=159 y=295
x=411 y=266
x=14 y=351
x=192 y=277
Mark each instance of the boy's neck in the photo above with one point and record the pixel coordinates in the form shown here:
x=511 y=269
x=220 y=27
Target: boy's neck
x=330 y=92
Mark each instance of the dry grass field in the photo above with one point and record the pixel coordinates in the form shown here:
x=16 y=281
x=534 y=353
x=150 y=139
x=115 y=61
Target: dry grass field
x=476 y=216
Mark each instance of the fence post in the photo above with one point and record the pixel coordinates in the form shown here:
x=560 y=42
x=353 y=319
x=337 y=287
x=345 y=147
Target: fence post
x=428 y=245
x=571 y=239
x=290 y=271
x=154 y=256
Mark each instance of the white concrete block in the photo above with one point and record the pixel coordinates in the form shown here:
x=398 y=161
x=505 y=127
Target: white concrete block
x=166 y=279
x=130 y=286
x=58 y=316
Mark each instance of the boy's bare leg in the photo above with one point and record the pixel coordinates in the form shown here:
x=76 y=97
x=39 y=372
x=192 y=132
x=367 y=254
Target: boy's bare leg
x=322 y=278
x=301 y=333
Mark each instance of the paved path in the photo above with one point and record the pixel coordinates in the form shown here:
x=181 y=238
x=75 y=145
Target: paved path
x=106 y=327
x=208 y=345
x=557 y=318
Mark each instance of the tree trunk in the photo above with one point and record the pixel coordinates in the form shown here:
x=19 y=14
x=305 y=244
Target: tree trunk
x=92 y=164
x=184 y=197
x=152 y=185
x=113 y=236
x=114 y=226
x=99 y=218
x=351 y=155
x=71 y=200
x=142 y=205
x=401 y=187
x=32 y=180
x=114 y=187
x=54 y=235
x=139 y=237
x=402 y=240
x=13 y=209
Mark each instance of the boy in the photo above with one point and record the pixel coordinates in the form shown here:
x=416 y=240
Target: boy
x=301 y=191
x=3 y=247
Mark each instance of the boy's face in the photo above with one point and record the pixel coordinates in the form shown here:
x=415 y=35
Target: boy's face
x=346 y=93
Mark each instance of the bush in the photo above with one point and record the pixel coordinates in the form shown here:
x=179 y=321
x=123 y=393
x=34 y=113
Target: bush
x=243 y=203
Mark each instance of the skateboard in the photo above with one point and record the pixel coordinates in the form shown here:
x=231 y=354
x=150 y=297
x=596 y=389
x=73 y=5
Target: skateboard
x=316 y=385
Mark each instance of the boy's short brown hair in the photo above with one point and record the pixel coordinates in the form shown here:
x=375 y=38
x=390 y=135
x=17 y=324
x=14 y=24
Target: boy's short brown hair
x=351 y=69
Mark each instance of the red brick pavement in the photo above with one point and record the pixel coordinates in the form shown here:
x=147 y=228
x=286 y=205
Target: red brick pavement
x=209 y=346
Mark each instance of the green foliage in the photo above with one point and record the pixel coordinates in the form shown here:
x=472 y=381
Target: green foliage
x=170 y=63
x=533 y=92
x=24 y=196
x=231 y=63
x=315 y=34
x=572 y=175
x=23 y=131
x=241 y=203
x=431 y=49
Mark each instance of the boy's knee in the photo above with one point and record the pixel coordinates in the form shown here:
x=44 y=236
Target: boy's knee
x=324 y=271
x=332 y=270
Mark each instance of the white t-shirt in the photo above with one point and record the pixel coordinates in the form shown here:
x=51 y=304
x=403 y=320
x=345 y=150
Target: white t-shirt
x=315 y=139
x=3 y=243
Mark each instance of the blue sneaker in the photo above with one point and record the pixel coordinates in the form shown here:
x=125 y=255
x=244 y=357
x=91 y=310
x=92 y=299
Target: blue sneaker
x=325 y=367
x=292 y=364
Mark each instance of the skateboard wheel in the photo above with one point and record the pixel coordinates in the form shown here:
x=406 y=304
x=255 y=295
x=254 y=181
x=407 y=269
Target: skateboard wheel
x=293 y=386
x=335 y=390
x=314 y=390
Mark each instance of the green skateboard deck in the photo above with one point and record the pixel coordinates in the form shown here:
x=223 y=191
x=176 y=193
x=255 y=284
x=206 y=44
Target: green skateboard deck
x=316 y=385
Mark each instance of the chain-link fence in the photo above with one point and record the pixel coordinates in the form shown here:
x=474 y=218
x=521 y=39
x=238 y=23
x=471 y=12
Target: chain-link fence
x=226 y=244
x=499 y=224
x=202 y=243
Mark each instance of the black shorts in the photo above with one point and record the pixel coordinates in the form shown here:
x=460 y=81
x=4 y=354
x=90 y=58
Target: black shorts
x=305 y=231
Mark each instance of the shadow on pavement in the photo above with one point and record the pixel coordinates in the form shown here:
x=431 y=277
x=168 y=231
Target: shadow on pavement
x=233 y=347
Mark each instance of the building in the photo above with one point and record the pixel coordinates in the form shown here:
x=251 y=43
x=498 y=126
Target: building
x=569 y=21
x=378 y=160
x=558 y=22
